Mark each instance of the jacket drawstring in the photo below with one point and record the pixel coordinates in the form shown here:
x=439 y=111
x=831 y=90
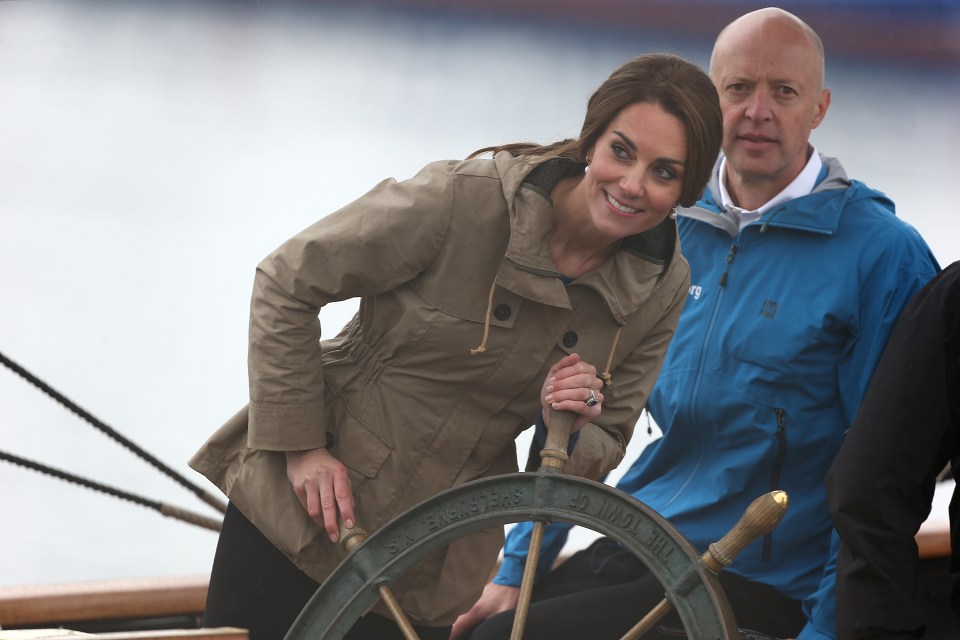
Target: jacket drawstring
x=486 y=323
x=606 y=376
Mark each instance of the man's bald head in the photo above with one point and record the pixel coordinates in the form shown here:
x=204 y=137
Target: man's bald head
x=755 y=22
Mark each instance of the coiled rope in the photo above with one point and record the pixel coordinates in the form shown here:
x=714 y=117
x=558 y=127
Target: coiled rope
x=122 y=440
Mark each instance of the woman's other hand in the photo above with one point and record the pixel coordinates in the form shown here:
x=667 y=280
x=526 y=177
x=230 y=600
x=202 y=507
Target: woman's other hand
x=323 y=487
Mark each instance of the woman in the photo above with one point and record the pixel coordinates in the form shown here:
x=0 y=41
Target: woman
x=558 y=264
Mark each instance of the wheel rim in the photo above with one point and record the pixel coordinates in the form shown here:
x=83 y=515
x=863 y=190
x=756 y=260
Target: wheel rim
x=410 y=537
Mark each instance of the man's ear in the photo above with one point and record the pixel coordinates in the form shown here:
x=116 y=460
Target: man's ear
x=823 y=103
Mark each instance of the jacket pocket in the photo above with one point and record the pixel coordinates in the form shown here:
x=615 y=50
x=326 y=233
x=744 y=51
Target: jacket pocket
x=357 y=446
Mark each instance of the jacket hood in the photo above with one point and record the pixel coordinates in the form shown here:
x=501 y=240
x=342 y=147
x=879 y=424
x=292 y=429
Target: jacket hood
x=818 y=212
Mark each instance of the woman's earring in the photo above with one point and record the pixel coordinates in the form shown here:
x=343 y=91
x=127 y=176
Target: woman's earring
x=673 y=211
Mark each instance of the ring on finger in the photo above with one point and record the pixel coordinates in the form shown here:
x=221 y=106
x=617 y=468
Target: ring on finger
x=593 y=400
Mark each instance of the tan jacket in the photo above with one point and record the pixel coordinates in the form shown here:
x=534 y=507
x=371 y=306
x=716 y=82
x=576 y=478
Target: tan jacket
x=413 y=411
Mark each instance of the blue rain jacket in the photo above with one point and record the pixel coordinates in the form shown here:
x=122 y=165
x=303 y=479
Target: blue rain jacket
x=783 y=326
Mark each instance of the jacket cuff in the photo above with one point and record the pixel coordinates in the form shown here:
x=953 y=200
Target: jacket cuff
x=286 y=427
x=596 y=454
x=510 y=573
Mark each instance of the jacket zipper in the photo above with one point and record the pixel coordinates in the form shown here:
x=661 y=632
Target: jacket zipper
x=781 y=437
x=693 y=413
x=730 y=256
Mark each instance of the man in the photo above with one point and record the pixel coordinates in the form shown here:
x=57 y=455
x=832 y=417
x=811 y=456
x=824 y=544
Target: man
x=798 y=275
x=882 y=482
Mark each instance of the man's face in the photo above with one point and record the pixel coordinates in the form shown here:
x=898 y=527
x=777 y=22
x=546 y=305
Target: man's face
x=768 y=76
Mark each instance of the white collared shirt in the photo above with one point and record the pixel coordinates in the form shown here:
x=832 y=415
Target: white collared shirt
x=802 y=185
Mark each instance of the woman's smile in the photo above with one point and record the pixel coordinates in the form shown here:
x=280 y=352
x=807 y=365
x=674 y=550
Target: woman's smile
x=619 y=206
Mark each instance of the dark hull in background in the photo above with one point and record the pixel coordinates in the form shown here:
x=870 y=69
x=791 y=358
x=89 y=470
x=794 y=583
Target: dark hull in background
x=918 y=31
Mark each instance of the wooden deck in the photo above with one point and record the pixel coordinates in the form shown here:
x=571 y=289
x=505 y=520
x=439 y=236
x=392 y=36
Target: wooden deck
x=102 y=600
x=225 y=633
x=933 y=539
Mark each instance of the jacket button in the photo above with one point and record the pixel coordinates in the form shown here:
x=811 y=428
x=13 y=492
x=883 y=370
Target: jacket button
x=502 y=312
x=570 y=339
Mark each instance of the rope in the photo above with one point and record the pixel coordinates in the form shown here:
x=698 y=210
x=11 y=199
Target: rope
x=486 y=322
x=165 y=509
x=73 y=407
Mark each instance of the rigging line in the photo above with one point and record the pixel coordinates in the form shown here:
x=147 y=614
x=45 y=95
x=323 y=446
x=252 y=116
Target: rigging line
x=69 y=404
x=162 y=507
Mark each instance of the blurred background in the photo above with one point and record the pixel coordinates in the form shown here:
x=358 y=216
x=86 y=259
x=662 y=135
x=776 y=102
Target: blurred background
x=152 y=153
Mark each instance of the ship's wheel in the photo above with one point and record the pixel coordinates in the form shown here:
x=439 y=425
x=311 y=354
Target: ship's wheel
x=689 y=580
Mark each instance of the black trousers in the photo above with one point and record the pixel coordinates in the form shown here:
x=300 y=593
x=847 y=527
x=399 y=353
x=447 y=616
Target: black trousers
x=602 y=592
x=254 y=586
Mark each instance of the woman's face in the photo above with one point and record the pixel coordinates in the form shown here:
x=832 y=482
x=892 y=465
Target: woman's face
x=636 y=170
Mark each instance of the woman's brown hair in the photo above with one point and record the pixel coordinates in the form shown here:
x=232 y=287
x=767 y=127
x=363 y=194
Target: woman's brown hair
x=681 y=88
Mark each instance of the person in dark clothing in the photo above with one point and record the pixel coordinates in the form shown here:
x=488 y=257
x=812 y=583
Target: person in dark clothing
x=882 y=481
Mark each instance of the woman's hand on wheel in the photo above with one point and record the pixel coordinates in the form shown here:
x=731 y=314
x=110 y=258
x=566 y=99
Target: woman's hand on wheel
x=572 y=385
x=323 y=487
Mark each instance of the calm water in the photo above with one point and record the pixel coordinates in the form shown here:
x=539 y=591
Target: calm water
x=150 y=158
